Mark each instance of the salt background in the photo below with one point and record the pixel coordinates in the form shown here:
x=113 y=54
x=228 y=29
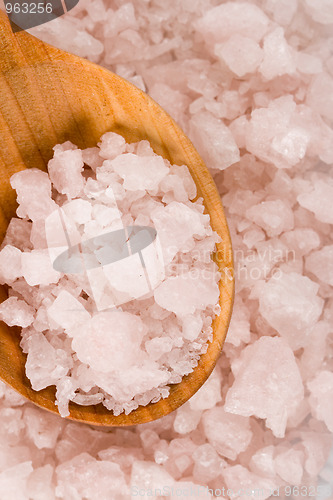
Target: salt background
x=252 y=85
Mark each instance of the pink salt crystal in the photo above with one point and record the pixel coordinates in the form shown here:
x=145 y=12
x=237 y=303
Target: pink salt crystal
x=185 y=293
x=239 y=479
x=74 y=479
x=67 y=312
x=33 y=188
x=208 y=395
x=267 y=384
x=301 y=240
x=186 y=419
x=13 y=481
x=225 y=20
x=213 y=140
x=241 y=54
x=274 y=216
x=40 y=483
x=289 y=466
x=148 y=476
x=10 y=264
x=321 y=12
x=278 y=57
x=272 y=136
x=43 y=430
x=321 y=399
x=318 y=199
x=111 y=341
x=317 y=446
x=320 y=263
x=92 y=158
x=229 y=434
x=16 y=312
x=37 y=268
x=18 y=234
x=78 y=210
x=140 y=173
x=207 y=463
x=283 y=10
x=111 y=145
x=239 y=328
x=173 y=101
x=290 y=304
x=262 y=462
x=191 y=327
x=65 y=170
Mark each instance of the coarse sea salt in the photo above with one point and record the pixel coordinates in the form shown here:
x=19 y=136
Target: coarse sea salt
x=270 y=135
x=89 y=330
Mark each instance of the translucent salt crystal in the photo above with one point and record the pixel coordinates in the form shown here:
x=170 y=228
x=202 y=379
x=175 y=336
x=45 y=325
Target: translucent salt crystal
x=40 y=483
x=176 y=225
x=111 y=341
x=74 y=479
x=207 y=463
x=149 y=477
x=239 y=478
x=225 y=20
x=213 y=140
x=318 y=200
x=13 y=481
x=268 y=384
x=173 y=101
x=317 y=446
x=321 y=399
x=319 y=95
x=65 y=172
x=301 y=240
x=289 y=466
x=185 y=293
x=239 y=328
x=16 y=312
x=186 y=419
x=321 y=12
x=111 y=145
x=273 y=216
x=208 y=395
x=278 y=57
x=241 y=54
x=67 y=312
x=290 y=304
x=283 y=10
x=158 y=346
x=320 y=263
x=229 y=434
x=10 y=264
x=273 y=137
x=11 y=426
x=308 y=64
x=262 y=462
x=78 y=210
x=37 y=268
x=140 y=172
x=191 y=327
x=33 y=188
x=42 y=428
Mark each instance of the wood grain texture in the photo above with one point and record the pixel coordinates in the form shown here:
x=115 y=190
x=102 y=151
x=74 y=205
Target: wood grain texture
x=48 y=96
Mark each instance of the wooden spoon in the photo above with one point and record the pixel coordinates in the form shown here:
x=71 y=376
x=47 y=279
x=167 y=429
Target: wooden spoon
x=48 y=96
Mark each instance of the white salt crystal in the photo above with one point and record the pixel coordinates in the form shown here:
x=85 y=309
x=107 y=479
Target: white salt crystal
x=111 y=341
x=140 y=173
x=239 y=479
x=319 y=200
x=186 y=419
x=92 y=158
x=241 y=54
x=262 y=462
x=290 y=304
x=223 y=21
x=321 y=399
x=208 y=395
x=78 y=210
x=111 y=145
x=191 y=327
x=207 y=463
x=65 y=172
x=37 y=268
x=185 y=293
x=268 y=384
x=33 y=188
x=148 y=476
x=320 y=263
x=16 y=312
x=10 y=264
x=67 y=312
x=213 y=140
x=229 y=434
x=289 y=466
x=273 y=216
x=278 y=57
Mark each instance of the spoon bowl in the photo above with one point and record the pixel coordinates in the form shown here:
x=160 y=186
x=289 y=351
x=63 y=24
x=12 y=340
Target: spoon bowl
x=47 y=97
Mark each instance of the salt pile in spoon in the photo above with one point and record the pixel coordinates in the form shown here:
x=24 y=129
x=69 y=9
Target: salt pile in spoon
x=98 y=332
x=161 y=47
